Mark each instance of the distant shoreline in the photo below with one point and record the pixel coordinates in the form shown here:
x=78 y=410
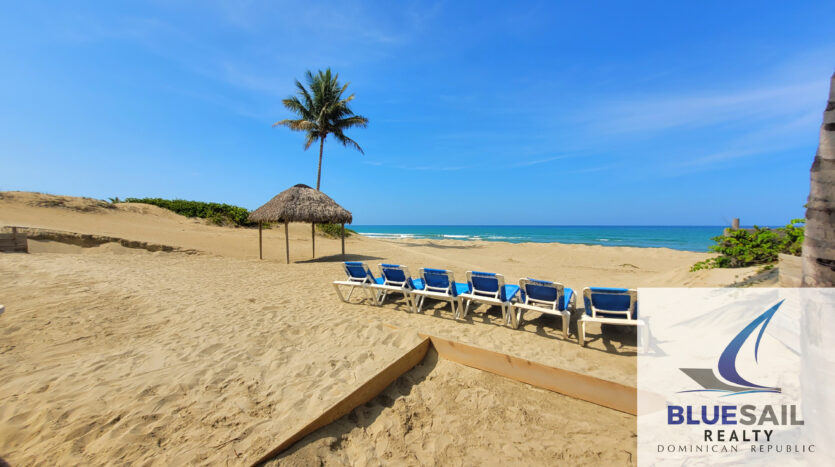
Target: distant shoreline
x=682 y=238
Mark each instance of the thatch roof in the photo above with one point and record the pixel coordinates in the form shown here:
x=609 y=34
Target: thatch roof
x=301 y=204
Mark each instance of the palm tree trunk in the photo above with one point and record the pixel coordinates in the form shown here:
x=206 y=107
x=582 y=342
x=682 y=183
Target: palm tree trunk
x=817 y=326
x=819 y=244
x=319 y=172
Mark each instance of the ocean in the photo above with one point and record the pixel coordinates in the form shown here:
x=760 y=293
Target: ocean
x=687 y=238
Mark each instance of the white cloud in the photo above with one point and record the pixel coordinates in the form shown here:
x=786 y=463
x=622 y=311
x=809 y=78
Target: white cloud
x=781 y=136
x=654 y=113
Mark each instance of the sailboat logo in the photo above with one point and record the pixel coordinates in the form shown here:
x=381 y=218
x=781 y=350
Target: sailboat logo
x=733 y=383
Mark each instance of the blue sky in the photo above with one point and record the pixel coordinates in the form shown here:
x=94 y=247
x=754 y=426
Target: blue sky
x=480 y=113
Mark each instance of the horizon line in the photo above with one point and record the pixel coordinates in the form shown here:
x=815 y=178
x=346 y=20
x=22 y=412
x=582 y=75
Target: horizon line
x=557 y=225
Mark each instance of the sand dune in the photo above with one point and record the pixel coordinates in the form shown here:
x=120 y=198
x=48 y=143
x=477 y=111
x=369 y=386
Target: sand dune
x=114 y=354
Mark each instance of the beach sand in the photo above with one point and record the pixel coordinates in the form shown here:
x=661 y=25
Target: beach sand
x=112 y=354
x=441 y=413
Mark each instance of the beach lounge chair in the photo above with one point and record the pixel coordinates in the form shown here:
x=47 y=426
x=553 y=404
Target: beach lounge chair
x=359 y=275
x=490 y=289
x=396 y=278
x=609 y=306
x=547 y=297
x=439 y=284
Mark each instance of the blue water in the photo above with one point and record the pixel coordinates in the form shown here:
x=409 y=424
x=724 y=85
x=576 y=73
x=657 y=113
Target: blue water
x=688 y=238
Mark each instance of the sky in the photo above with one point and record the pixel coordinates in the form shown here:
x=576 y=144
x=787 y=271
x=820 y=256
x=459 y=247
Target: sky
x=481 y=113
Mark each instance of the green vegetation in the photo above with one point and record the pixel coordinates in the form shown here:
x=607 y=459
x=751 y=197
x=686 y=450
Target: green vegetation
x=333 y=230
x=223 y=214
x=220 y=214
x=760 y=245
x=322 y=112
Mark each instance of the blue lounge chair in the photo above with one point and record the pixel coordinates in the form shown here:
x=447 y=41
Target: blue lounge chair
x=439 y=284
x=547 y=297
x=359 y=275
x=396 y=278
x=488 y=288
x=609 y=306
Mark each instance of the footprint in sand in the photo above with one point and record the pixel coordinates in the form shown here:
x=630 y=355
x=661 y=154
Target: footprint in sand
x=208 y=351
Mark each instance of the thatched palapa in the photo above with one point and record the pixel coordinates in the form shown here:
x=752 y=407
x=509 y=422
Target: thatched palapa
x=301 y=203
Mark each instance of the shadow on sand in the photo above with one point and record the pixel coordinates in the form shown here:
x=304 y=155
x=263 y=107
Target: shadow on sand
x=361 y=417
x=339 y=258
x=617 y=340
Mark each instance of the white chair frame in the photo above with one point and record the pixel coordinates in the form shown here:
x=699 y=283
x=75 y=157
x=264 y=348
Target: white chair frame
x=437 y=293
x=518 y=309
x=481 y=296
x=390 y=286
x=627 y=319
x=365 y=283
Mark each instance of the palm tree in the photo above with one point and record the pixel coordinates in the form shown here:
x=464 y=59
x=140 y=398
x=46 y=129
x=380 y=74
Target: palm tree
x=819 y=271
x=819 y=244
x=322 y=111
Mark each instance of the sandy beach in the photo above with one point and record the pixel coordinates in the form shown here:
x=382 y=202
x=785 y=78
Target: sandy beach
x=176 y=181
x=441 y=413
x=112 y=354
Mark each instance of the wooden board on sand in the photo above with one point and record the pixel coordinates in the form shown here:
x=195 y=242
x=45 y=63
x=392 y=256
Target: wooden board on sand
x=588 y=388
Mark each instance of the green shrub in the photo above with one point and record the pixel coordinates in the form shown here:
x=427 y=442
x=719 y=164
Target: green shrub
x=333 y=230
x=220 y=214
x=793 y=240
x=748 y=247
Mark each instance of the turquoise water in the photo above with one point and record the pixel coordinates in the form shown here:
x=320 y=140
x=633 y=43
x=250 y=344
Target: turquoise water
x=688 y=238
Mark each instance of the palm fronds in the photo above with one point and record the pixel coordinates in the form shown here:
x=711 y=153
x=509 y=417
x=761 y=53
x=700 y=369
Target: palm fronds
x=322 y=111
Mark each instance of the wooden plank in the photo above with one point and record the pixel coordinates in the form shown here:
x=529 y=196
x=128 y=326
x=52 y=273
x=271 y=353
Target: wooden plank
x=14 y=242
x=367 y=391
x=588 y=388
x=287 y=242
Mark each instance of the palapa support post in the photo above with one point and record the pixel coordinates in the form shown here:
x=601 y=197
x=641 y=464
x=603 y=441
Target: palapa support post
x=287 y=241
x=300 y=203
